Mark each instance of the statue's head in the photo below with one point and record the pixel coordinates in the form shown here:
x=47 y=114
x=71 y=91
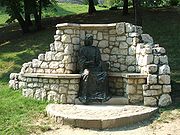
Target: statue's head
x=88 y=40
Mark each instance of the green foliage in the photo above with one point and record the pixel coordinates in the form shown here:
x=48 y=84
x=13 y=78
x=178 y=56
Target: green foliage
x=159 y=3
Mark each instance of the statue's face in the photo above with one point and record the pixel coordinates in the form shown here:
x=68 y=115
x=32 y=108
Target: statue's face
x=88 y=41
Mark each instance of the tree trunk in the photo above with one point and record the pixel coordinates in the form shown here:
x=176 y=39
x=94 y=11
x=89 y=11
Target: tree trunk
x=137 y=13
x=27 y=13
x=91 y=7
x=125 y=7
x=20 y=19
x=37 y=14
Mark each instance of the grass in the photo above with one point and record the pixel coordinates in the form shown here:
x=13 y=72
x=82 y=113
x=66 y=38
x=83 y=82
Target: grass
x=60 y=9
x=16 y=112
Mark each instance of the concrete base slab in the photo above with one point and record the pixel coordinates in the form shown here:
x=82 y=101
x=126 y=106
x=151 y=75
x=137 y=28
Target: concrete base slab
x=98 y=116
x=112 y=101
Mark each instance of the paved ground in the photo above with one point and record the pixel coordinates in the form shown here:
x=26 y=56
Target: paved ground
x=143 y=128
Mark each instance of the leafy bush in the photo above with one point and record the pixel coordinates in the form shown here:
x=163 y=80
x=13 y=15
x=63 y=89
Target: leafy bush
x=85 y=2
x=159 y=3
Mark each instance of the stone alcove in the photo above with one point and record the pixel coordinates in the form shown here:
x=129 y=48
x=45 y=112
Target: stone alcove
x=139 y=70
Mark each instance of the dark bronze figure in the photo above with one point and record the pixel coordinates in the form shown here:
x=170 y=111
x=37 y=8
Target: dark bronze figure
x=94 y=81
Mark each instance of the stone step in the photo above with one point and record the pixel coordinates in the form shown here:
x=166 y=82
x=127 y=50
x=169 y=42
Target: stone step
x=98 y=116
x=116 y=100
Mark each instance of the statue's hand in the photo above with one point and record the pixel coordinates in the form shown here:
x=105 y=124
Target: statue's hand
x=85 y=74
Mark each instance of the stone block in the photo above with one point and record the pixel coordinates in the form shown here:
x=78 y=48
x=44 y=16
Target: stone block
x=141 y=81
x=41 y=57
x=75 y=40
x=59 y=56
x=69 y=66
x=152 y=79
x=112 y=32
x=129 y=27
x=113 y=58
x=147 y=50
x=66 y=38
x=123 y=52
x=149 y=93
x=150 y=101
x=49 y=56
x=133 y=34
x=152 y=68
x=166 y=88
x=52 y=48
x=131 y=69
x=39 y=70
x=121 y=38
x=129 y=41
x=28 y=92
x=67 y=59
x=139 y=47
x=147 y=38
x=57 y=37
x=132 y=50
x=159 y=50
x=63 y=89
x=115 y=50
x=135 y=98
x=164 y=100
x=44 y=65
x=59 y=32
x=68 y=49
x=130 y=89
x=74 y=81
x=68 y=31
x=36 y=63
x=63 y=99
x=103 y=44
x=145 y=87
x=54 y=87
x=53 y=96
x=130 y=60
x=71 y=99
x=74 y=87
x=105 y=57
x=123 y=45
x=164 y=69
x=112 y=39
x=163 y=59
x=164 y=79
x=62 y=81
x=99 y=36
x=54 y=65
x=156 y=87
x=58 y=46
x=148 y=59
x=156 y=60
x=120 y=28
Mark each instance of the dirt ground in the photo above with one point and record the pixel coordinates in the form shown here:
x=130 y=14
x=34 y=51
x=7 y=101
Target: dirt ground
x=143 y=128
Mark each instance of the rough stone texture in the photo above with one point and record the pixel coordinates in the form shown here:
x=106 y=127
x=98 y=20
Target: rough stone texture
x=164 y=79
x=150 y=101
x=165 y=100
x=120 y=47
x=99 y=117
x=152 y=79
x=165 y=69
x=147 y=38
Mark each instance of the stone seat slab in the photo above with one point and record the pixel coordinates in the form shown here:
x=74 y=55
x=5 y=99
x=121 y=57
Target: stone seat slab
x=41 y=75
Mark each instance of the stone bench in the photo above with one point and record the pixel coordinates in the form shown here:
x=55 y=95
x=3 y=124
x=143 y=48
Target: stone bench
x=63 y=88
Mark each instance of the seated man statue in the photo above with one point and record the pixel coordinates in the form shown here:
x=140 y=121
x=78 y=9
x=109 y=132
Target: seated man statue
x=94 y=81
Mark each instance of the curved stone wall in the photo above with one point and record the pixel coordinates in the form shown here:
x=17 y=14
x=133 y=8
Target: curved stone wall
x=122 y=45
